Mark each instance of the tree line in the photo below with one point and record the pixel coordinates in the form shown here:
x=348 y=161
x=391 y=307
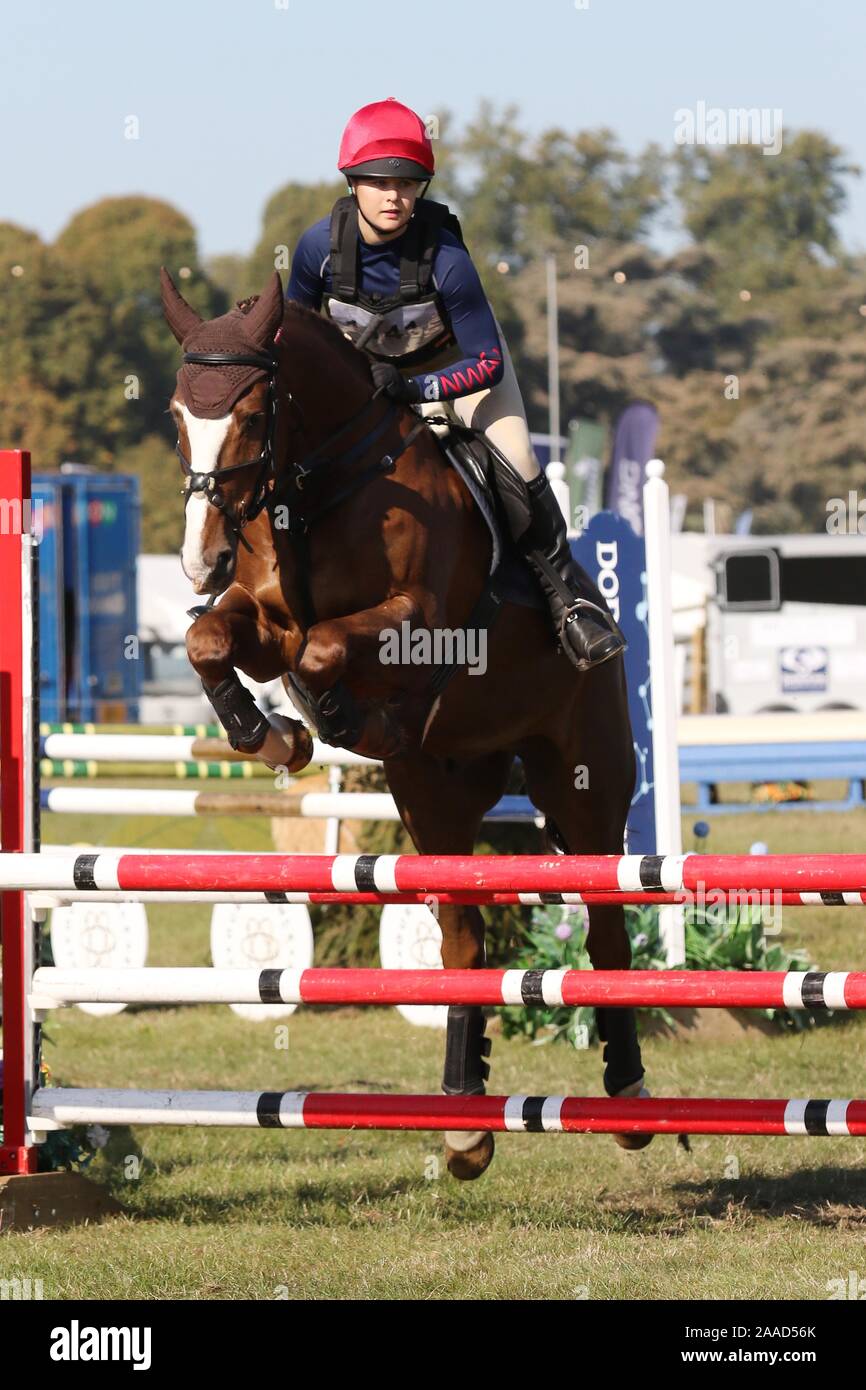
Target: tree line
x=747 y=334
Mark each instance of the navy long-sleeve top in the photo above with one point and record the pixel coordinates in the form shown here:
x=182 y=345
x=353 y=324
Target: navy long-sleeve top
x=479 y=360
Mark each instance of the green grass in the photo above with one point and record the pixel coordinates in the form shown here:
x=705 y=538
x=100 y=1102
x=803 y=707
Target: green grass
x=248 y=1214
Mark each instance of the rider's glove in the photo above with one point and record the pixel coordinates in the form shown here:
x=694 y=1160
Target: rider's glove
x=397 y=386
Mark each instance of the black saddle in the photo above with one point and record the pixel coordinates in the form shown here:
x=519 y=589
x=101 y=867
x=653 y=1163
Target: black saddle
x=500 y=495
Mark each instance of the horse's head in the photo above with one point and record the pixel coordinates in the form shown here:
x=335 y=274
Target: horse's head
x=224 y=410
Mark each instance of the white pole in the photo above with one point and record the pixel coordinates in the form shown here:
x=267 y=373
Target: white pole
x=53 y=987
x=167 y=748
x=55 y=1109
x=332 y=825
x=666 y=767
x=559 y=488
x=552 y=350
x=139 y=801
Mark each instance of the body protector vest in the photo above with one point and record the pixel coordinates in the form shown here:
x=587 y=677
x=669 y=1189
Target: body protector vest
x=410 y=327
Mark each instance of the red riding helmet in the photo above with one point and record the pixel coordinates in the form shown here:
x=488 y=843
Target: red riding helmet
x=386 y=138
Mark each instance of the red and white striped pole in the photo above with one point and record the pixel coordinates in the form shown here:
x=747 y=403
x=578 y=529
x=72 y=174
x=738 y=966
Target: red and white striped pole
x=388 y=875
x=765 y=900
x=720 y=989
x=517 y=1114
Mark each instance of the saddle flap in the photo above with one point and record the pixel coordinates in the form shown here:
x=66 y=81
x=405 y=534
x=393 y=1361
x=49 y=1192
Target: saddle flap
x=467 y=452
x=471 y=460
x=498 y=493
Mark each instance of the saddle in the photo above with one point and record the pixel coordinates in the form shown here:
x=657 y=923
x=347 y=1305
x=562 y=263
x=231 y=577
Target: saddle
x=500 y=496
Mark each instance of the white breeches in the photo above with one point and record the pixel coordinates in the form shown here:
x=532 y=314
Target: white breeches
x=498 y=412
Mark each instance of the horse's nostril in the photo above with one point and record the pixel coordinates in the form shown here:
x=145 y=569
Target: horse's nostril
x=218 y=561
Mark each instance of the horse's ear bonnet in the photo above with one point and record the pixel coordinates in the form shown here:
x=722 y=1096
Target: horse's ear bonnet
x=211 y=391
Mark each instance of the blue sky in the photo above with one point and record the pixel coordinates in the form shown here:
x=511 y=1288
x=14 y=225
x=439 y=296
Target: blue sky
x=234 y=97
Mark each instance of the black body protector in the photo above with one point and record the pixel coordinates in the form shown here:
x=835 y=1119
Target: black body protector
x=411 y=327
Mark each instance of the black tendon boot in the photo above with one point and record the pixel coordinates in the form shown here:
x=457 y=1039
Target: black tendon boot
x=585 y=628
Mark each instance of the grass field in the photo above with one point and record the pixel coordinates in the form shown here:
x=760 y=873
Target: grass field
x=227 y=1214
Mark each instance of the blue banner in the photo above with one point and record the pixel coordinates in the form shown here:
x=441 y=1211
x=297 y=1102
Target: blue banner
x=633 y=447
x=615 y=558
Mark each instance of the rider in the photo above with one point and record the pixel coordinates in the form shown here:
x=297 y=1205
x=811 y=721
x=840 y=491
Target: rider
x=391 y=270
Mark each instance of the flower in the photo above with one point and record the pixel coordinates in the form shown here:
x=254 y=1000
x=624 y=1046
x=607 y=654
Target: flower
x=98 y=1136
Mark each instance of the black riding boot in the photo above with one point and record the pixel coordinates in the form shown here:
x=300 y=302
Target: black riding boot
x=585 y=628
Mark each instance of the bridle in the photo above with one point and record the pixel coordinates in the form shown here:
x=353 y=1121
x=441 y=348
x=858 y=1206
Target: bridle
x=208 y=484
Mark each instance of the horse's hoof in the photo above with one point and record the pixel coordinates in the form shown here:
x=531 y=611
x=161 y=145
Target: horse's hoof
x=467 y=1164
x=383 y=736
x=633 y=1141
x=289 y=746
x=303 y=749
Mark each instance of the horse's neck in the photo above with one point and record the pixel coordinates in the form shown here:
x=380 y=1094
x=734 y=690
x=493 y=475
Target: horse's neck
x=325 y=387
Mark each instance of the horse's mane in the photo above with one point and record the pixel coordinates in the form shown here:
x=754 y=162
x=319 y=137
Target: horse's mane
x=299 y=316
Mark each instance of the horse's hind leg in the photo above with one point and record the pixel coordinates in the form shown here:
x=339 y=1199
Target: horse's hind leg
x=442 y=807
x=584 y=783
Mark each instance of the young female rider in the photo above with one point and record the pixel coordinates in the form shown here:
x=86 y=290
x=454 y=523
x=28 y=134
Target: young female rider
x=399 y=282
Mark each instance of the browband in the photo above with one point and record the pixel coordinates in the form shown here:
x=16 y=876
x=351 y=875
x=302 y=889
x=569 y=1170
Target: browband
x=232 y=359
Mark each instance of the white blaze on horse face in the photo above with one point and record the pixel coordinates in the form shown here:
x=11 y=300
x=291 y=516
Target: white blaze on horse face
x=206 y=438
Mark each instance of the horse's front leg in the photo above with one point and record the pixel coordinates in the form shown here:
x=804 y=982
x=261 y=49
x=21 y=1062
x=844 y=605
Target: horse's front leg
x=236 y=634
x=359 y=647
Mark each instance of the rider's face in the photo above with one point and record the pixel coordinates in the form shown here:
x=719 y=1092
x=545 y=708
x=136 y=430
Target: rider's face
x=387 y=202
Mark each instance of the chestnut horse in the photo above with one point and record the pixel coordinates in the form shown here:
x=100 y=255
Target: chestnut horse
x=326 y=517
